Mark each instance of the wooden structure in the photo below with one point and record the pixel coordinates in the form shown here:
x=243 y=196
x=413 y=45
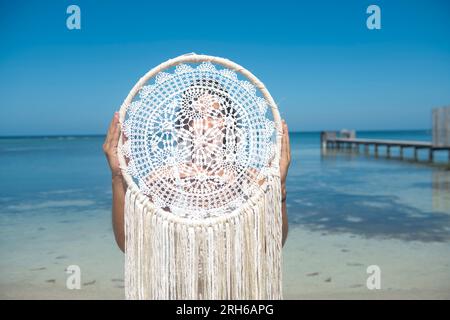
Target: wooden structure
x=346 y=139
x=441 y=127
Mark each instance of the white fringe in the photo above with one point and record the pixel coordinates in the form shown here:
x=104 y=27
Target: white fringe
x=237 y=258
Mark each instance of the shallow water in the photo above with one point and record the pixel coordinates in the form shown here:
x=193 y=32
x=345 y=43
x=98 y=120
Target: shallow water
x=346 y=211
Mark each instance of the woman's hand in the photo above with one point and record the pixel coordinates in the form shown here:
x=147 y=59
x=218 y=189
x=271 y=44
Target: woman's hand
x=118 y=183
x=285 y=158
x=110 y=146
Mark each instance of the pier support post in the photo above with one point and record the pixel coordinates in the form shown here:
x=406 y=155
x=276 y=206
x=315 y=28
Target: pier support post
x=376 y=150
x=416 y=156
x=388 y=151
x=401 y=152
x=430 y=155
x=366 y=148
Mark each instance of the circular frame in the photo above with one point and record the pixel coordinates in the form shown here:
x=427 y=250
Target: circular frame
x=194 y=58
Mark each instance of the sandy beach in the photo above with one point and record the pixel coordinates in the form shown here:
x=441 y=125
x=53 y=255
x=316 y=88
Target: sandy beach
x=329 y=266
x=316 y=266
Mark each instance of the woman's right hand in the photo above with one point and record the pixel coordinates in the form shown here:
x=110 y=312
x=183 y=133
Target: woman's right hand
x=110 y=146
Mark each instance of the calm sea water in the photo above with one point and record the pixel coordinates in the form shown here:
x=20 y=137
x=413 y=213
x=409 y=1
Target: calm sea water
x=386 y=196
x=55 y=202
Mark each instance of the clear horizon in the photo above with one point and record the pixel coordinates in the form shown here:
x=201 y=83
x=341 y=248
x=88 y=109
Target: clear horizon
x=303 y=132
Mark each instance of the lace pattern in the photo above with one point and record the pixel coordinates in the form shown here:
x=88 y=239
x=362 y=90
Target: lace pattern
x=199 y=140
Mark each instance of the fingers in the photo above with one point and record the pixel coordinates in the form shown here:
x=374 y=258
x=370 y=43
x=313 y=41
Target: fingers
x=285 y=157
x=288 y=144
x=116 y=131
x=116 y=135
x=112 y=132
x=111 y=126
x=284 y=141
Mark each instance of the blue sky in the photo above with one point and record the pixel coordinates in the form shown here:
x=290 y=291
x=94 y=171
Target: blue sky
x=323 y=66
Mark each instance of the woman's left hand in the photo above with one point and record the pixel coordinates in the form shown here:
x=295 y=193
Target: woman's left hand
x=285 y=158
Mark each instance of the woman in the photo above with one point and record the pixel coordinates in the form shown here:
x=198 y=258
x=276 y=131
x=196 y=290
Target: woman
x=119 y=186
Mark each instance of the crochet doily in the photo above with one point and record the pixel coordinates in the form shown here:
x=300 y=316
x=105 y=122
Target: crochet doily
x=199 y=140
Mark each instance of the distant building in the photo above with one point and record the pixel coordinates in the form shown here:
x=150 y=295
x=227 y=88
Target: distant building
x=441 y=127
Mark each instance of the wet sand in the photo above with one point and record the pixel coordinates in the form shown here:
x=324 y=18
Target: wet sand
x=317 y=265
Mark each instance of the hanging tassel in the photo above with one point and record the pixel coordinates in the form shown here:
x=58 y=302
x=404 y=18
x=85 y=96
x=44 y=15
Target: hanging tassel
x=236 y=258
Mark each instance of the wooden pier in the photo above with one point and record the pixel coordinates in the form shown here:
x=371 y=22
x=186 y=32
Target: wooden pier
x=347 y=141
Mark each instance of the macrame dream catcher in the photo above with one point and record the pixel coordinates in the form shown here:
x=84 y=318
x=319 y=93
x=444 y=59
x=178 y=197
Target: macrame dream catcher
x=199 y=150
